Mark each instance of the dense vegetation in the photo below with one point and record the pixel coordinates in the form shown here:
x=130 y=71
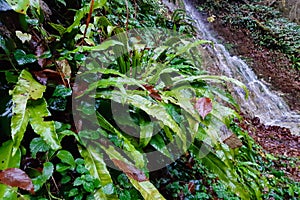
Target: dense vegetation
x=87 y=97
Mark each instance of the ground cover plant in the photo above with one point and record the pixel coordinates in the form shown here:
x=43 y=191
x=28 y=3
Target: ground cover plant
x=87 y=100
x=266 y=25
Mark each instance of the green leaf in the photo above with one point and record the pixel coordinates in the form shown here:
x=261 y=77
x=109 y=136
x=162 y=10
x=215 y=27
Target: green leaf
x=127 y=145
x=152 y=108
x=146 y=133
x=158 y=143
x=147 y=189
x=66 y=157
x=97 y=167
x=11 y=77
x=108 y=189
x=25 y=89
x=20 y=6
x=22 y=58
x=82 y=12
x=46 y=129
x=58 y=27
x=224 y=172
x=62 y=91
x=8 y=160
x=39 y=181
x=38 y=145
x=213 y=78
x=62 y=2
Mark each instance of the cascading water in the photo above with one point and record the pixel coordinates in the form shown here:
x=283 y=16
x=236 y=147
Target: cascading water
x=262 y=102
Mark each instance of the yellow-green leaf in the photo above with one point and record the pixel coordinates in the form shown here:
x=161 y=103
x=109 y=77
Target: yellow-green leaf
x=26 y=88
x=19 y=6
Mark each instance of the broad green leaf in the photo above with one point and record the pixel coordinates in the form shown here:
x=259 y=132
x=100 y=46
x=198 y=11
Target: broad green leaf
x=66 y=157
x=147 y=189
x=8 y=160
x=39 y=181
x=158 y=143
x=25 y=89
x=19 y=6
x=62 y=91
x=146 y=133
x=226 y=174
x=150 y=107
x=103 y=46
x=215 y=79
x=97 y=167
x=127 y=145
x=58 y=27
x=46 y=129
x=38 y=145
x=82 y=12
x=22 y=58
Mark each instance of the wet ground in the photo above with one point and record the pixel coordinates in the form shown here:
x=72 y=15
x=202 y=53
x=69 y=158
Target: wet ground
x=274 y=68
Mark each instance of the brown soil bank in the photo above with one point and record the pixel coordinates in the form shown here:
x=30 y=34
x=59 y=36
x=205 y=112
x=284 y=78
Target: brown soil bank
x=272 y=66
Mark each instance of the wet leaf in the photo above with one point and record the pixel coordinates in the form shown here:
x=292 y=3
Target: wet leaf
x=146 y=133
x=22 y=58
x=147 y=190
x=203 y=106
x=66 y=157
x=46 y=129
x=8 y=160
x=19 y=6
x=25 y=89
x=130 y=170
x=158 y=143
x=62 y=91
x=46 y=174
x=38 y=145
x=15 y=177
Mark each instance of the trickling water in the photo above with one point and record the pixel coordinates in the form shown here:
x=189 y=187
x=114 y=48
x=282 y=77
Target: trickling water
x=262 y=103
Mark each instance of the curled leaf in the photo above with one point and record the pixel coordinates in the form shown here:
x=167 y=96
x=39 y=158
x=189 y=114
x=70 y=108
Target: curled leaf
x=15 y=177
x=203 y=106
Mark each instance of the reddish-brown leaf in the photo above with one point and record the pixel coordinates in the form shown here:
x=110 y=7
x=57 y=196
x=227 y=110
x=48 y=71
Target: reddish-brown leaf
x=15 y=177
x=203 y=106
x=191 y=187
x=130 y=170
x=41 y=77
x=153 y=92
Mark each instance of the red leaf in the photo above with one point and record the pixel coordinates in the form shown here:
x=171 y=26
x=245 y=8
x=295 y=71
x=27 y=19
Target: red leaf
x=191 y=187
x=153 y=92
x=130 y=170
x=15 y=177
x=203 y=106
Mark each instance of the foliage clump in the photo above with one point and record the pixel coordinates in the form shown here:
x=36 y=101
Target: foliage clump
x=162 y=97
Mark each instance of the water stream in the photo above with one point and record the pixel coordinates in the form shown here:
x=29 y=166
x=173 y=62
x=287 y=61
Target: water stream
x=263 y=102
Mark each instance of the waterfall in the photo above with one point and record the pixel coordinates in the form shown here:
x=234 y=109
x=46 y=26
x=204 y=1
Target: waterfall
x=262 y=102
